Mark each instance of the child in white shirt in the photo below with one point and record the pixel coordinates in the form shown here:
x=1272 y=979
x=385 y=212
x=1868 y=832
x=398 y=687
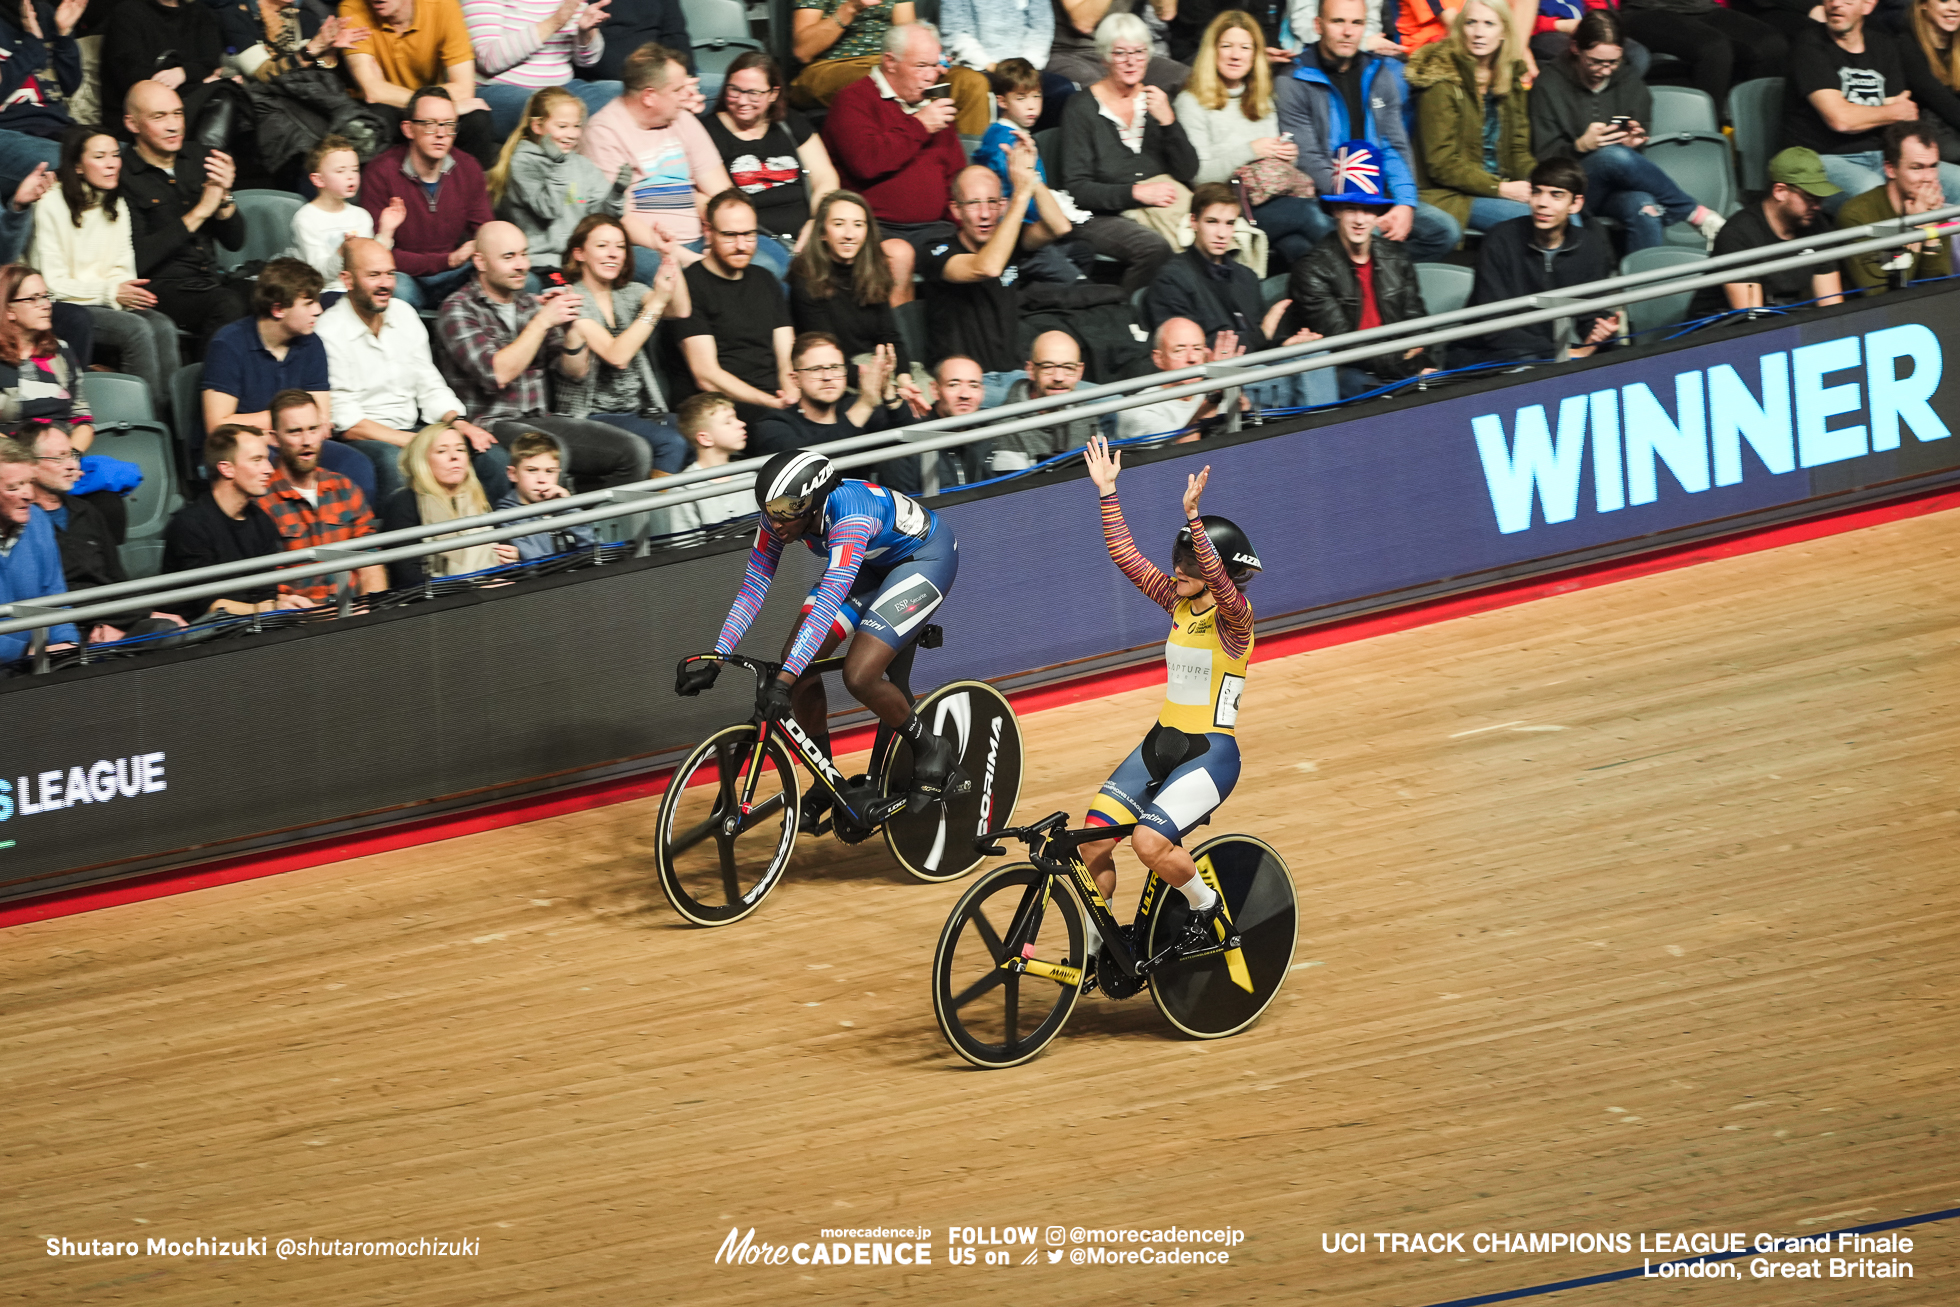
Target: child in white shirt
x=324 y=223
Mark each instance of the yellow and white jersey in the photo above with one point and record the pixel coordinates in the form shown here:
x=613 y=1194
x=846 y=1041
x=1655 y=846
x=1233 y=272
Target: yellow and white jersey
x=1205 y=680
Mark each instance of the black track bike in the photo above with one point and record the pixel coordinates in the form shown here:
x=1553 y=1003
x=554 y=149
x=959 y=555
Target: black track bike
x=1011 y=961
x=730 y=816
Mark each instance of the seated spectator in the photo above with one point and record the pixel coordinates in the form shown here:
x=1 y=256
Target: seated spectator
x=1054 y=367
x=226 y=525
x=1178 y=343
x=533 y=478
x=1228 y=111
x=1017 y=93
x=631 y=24
x=384 y=384
x=544 y=187
x=718 y=437
x=415 y=43
x=1125 y=159
x=1074 y=52
x=264 y=41
x=652 y=127
x=736 y=342
x=972 y=307
x=84 y=538
x=443 y=193
x=984 y=36
x=958 y=387
x=1357 y=279
x=1334 y=94
x=1557 y=23
x=323 y=224
x=522 y=45
x=894 y=145
x=40 y=374
x=1590 y=105
x=1535 y=255
x=842 y=42
x=1911 y=155
x=277 y=349
x=820 y=414
x=1848 y=81
x=1475 y=121
x=83 y=248
x=139 y=36
x=441 y=487
x=1207 y=285
x=616 y=319
x=772 y=155
x=30 y=559
x=498 y=342
x=309 y=504
x=172 y=232
x=43 y=69
x=1793 y=207
x=1929 y=44
x=1720 y=44
x=841 y=281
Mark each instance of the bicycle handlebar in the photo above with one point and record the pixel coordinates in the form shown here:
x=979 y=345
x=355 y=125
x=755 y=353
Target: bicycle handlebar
x=755 y=666
x=1028 y=835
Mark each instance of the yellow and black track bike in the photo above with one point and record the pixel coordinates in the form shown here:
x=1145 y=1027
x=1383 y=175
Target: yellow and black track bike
x=730 y=816
x=1011 y=961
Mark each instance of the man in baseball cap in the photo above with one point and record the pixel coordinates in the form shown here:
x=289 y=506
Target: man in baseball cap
x=1793 y=206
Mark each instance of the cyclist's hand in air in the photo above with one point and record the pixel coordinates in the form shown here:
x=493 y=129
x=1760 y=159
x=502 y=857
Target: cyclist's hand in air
x=1194 y=486
x=692 y=678
x=1103 y=465
x=772 y=698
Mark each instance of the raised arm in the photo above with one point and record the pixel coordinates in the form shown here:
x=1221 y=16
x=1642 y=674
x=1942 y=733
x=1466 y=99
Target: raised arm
x=1123 y=551
x=1234 y=613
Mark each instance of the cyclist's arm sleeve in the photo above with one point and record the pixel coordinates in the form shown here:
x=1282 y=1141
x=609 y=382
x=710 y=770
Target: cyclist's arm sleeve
x=1234 y=613
x=1130 y=561
x=755 y=585
x=847 y=541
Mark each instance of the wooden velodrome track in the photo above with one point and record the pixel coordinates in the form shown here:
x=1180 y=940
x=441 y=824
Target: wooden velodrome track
x=1627 y=910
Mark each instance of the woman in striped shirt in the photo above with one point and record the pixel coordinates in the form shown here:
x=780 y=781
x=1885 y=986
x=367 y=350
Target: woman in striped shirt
x=522 y=45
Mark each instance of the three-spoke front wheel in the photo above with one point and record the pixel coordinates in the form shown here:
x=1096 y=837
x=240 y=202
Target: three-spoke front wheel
x=995 y=1015
x=718 y=862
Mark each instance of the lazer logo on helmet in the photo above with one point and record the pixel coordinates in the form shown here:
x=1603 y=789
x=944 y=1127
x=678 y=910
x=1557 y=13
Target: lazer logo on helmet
x=1786 y=415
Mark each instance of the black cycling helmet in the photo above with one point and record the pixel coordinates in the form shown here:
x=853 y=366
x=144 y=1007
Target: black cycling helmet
x=794 y=484
x=1234 y=550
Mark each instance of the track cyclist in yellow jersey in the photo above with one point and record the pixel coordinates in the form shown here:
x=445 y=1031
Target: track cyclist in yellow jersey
x=1189 y=762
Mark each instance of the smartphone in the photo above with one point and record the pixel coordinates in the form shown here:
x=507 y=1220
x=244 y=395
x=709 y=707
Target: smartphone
x=941 y=91
x=1620 y=122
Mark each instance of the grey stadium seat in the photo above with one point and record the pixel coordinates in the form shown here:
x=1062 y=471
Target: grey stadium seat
x=1654 y=315
x=1445 y=286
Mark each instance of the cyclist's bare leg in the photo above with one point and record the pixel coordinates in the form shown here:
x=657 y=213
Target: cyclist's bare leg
x=1171 y=863
x=864 y=677
x=1100 y=858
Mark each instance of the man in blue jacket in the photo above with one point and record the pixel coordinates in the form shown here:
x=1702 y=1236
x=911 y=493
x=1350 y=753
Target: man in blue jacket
x=1335 y=93
x=30 y=560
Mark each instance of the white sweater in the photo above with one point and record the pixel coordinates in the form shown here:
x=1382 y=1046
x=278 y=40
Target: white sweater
x=1222 y=137
x=84 y=264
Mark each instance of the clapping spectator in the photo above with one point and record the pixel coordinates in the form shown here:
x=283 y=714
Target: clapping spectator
x=416 y=43
x=652 y=127
x=443 y=194
x=718 y=437
x=820 y=414
x=522 y=45
x=1179 y=343
x=1125 y=159
x=441 y=487
x=1475 y=121
x=498 y=344
x=617 y=317
x=83 y=247
x=544 y=187
x=841 y=42
x=1228 y=111
x=1911 y=155
x=1541 y=253
x=179 y=203
x=42 y=69
x=226 y=525
x=772 y=154
x=309 y=504
x=533 y=479
x=736 y=341
x=1590 y=105
x=264 y=40
x=1018 y=97
x=178 y=44
x=30 y=559
x=325 y=223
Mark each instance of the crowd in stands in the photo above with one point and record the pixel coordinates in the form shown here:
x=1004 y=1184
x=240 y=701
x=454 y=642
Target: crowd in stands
x=535 y=249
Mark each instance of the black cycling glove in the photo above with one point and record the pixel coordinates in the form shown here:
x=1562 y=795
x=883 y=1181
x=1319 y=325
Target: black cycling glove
x=772 y=698
x=693 y=677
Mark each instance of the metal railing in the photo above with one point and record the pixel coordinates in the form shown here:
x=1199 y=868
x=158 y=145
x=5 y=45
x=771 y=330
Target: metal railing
x=930 y=435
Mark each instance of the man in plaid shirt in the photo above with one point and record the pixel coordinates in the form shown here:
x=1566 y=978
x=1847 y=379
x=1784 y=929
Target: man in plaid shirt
x=497 y=342
x=310 y=505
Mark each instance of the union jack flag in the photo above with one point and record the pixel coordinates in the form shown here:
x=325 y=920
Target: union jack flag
x=1356 y=169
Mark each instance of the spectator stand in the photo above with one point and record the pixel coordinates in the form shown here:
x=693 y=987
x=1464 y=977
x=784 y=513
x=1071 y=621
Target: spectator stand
x=1756 y=110
x=1445 y=287
x=187 y=416
x=268 y=227
x=720 y=33
x=1647 y=319
x=1680 y=109
x=126 y=427
x=1700 y=164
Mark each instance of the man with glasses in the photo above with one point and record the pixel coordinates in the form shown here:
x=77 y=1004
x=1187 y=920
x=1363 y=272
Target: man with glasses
x=180 y=200
x=652 y=127
x=819 y=415
x=411 y=43
x=83 y=537
x=443 y=192
x=737 y=340
x=1054 y=367
x=842 y=41
x=30 y=561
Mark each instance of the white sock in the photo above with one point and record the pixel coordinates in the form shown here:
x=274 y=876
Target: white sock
x=1198 y=894
x=1092 y=940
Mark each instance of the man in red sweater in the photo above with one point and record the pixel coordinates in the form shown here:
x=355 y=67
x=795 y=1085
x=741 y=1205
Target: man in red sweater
x=895 y=145
x=445 y=196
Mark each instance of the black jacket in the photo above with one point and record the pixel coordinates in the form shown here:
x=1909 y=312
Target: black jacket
x=1326 y=297
x=200 y=534
x=629 y=25
x=1562 y=108
x=1098 y=169
x=57 y=61
x=166 y=250
x=1219 y=297
x=88 y=547
x=1511 y=265
x=139 y=33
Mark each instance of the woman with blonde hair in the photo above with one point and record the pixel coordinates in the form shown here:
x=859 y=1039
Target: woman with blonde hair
x=441 y=487
x=1934 y=26
x=1228 y=113
x=544 y=185
x=1475 y=153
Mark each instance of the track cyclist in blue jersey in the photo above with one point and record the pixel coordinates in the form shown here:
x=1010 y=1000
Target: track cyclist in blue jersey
x=891 y=563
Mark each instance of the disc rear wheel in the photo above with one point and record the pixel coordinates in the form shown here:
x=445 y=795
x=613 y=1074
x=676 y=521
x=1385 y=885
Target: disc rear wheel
x=994 y=1015
x=937 y=843
x=1219 y=993
x=716 y=863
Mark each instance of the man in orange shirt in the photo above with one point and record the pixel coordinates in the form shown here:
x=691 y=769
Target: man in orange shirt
x=415 y=43
x=310 y=505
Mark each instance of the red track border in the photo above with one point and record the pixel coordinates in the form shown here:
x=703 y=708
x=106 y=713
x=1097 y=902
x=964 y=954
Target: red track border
x=517 y=811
